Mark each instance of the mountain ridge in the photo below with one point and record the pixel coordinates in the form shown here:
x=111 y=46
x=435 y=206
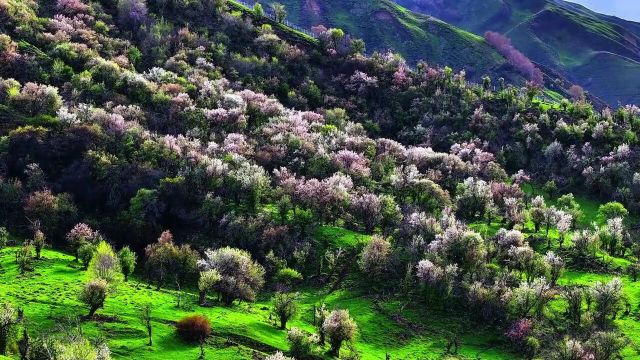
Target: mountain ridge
x=415 y=36
x=564 y=36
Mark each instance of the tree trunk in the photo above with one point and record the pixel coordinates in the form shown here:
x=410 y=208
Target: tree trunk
x=149 y=332
x=4 y=337
x=202 y=348
x=227 y=299
x=283 y=323
x=93 y=310
x=335 y=348
x=203 y=298
x=126 y=277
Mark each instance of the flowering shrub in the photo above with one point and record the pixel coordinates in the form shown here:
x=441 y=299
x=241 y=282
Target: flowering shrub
x=519 y=330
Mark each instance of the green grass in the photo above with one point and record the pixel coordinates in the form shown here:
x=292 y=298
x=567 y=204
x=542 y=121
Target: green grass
x=338 y=237
x=49 y=295
x=629 y=325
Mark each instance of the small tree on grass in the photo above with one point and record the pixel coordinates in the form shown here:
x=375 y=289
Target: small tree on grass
x=608 y=299
x=207 y=282
x=24 y=257
x=145 y=315
x=81 y=234
x=374 y=258
x=128 y=261
x=194 y=328
x=301 y=343
x=537 y=212
x=612 y=210
x=85 y=254
x=8 y=320
x=39 y=241
x=527 y=261
x=104 y=263
x=473 y=198
x=161 y=258
x=339 y=327
x=241 y=277
x=575 y=299
x=94 y=294
x=555 y=265
x=285 y=306
x=166 y=261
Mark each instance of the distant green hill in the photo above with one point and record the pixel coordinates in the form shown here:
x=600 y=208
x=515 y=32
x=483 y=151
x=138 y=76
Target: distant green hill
x=599 y=52
x=384 y=25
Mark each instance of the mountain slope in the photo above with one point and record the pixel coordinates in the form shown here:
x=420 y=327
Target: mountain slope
x=578 y=43
x=384 y=25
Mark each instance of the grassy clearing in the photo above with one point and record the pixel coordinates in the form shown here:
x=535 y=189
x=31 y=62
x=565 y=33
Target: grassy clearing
x=628 y=324
x=49 y=297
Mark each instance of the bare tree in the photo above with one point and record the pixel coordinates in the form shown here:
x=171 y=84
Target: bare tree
x=145 y=316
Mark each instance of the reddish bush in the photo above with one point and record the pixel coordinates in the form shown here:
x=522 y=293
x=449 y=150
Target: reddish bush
x=194 y=328
x=519 y=330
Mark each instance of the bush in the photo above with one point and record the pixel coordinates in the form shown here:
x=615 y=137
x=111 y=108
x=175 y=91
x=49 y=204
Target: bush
x=194 y=328
x=128 y=261
x=39 y=241
x=241 y=277
x=94 y=294
x=37 y=99
x=375 y=256
x=285 y=306
x=208 y=279
x=85 y=254
x=105 y=264
x=80 y=235
x=612 y=210
x=165 y=259
x=301 y=343
x=288 y=276
x=339 y=327
x=78 y=347
x=24 y=257
x=7 y=322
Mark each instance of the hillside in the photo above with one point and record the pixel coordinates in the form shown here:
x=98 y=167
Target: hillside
x=384 y=25
x=584 y=46
x=186 y=179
